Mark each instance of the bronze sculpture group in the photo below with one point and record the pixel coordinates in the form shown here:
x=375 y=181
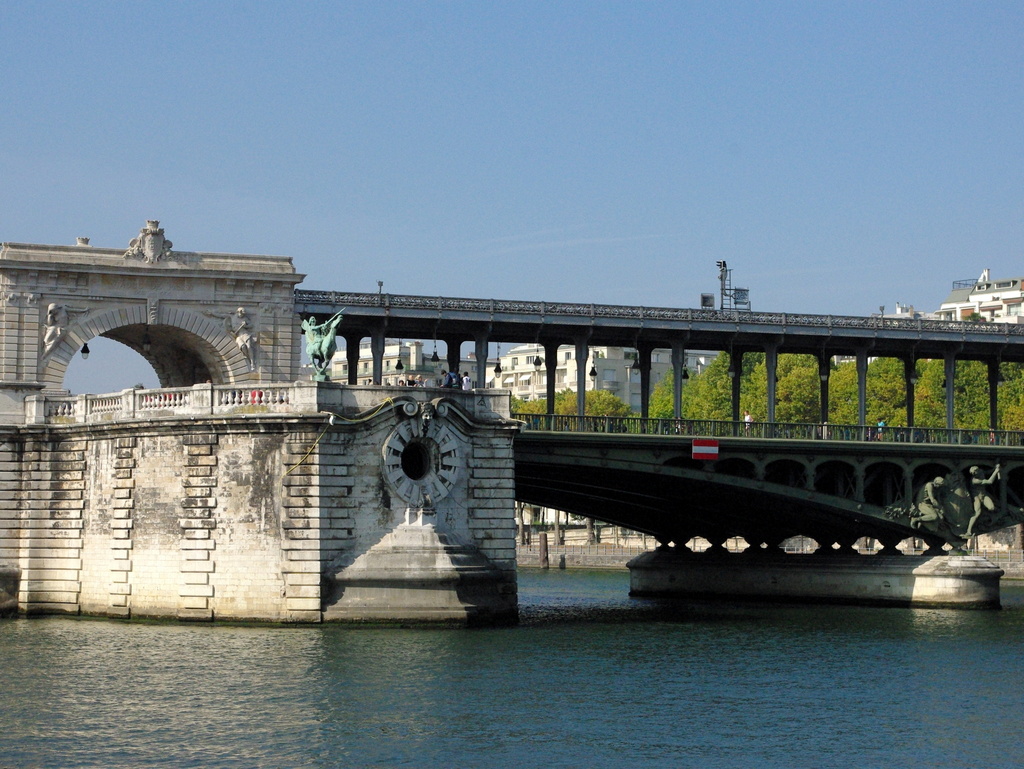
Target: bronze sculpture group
x=957 y=509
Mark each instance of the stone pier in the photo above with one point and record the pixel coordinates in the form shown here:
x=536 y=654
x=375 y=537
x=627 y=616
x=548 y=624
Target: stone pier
x=307 y=502
x=951 y=581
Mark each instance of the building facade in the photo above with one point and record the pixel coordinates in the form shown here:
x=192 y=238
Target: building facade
x=984 y=299
x=524 y=373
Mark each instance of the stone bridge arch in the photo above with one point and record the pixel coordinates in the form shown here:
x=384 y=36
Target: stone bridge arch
x=195 y=317
x=185 y=350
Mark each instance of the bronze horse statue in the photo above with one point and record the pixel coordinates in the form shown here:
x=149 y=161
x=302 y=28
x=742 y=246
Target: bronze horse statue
x=320 y=344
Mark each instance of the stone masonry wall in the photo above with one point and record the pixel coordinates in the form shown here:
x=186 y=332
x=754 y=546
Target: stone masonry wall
x=226 y=518
x=52 y=506
x=491 y=486
x=10 y=497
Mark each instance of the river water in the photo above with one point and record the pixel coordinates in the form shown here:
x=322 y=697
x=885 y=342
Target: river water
x=590 y=678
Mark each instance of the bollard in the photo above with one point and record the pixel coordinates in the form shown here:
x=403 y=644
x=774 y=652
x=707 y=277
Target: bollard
x=544 y=550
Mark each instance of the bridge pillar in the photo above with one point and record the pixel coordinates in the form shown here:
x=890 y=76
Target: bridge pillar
x=771 y=360
x=377 y=344
x=644 y=352
x=480 y=351
x=950 y=581
x=994 y=377
x=949 y=370
x=551 y=372
x=910 y=381
x=582 y=354
x=735 y=374
x=352 y=343
x=453 y=355
x=862 y=387
x=678 y=366
x=824 y=373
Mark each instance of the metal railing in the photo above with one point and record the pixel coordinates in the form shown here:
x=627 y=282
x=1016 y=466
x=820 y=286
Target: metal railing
x=713 y=428
x=1009 y=557
x=571 y=310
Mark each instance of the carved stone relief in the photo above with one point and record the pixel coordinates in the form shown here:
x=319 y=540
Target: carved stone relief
x=151 y=245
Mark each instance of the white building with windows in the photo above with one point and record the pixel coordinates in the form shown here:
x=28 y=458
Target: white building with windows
x=608 y=368
x=403 y=361
x=998 y=301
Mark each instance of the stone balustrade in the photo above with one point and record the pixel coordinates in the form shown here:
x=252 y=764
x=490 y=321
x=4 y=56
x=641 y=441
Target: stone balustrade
x=206 y=400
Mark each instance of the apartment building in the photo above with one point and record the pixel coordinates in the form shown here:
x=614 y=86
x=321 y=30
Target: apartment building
x=985 y=299
x=523 y=370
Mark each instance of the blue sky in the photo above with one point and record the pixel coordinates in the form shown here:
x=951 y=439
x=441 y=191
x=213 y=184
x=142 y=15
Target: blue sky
x=840 y=156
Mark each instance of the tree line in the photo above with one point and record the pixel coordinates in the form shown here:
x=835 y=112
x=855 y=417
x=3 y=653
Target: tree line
x=708 y=395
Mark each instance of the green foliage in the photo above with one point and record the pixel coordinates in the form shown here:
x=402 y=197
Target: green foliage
x=661 y=405
x=886 y=392
x=797 y=390
x=1011 y=397
x=970 y=396
x=930 y=395
x=708 y=395
x=519 y=406
x=842 y=394
x=597 y=403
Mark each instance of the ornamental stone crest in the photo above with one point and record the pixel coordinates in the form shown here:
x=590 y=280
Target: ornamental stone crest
x=151 y=245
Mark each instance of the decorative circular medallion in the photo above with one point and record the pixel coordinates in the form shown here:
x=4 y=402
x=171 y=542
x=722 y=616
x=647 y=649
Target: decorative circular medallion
x=422 y=461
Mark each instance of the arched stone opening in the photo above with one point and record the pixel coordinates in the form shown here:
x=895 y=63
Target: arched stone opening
x=179 y=357
x=196 y=351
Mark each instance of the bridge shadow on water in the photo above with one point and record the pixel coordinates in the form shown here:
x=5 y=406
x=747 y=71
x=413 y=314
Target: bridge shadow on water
x=582 y=597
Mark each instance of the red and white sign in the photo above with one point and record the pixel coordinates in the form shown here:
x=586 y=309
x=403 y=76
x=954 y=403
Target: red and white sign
x=705 y=448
